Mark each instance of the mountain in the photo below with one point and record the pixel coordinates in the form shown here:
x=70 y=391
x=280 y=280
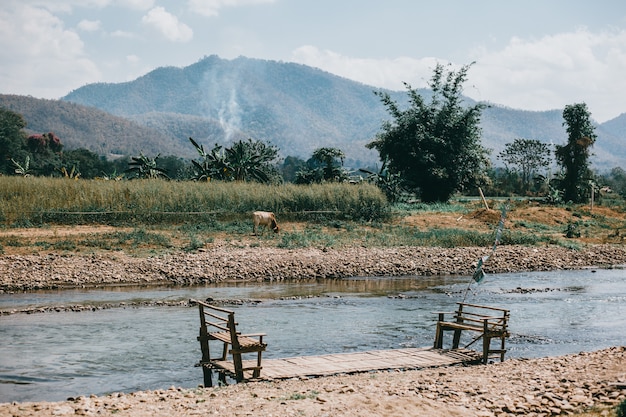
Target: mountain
x=295 y=107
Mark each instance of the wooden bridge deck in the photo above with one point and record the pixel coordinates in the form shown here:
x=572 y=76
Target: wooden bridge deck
x=324 y=365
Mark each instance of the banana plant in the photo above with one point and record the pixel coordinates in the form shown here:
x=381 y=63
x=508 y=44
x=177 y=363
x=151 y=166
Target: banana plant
x=23 y=170
x=144 y=167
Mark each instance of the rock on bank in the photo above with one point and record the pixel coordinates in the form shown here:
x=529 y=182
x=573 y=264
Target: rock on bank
x=228 y=263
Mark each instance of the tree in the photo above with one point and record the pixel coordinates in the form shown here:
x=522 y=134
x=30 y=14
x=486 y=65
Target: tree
x=389 y=183
x=573 y=157
x=528 y=155
x=212 y=164
x=12 y=140
x=89 y=164
x=144 y=167
x=325 y=165
x=434 y=147
x=252 y=161
x=243 y=161
x=291 y=166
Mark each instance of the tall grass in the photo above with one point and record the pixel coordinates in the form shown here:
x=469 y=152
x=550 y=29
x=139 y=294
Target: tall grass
x=35 y=201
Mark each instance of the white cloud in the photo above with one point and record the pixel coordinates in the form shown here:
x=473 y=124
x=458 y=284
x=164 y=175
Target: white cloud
x=554 y=71
x=39 y=56
x=382 y=73
x=168 y=25
x=212 y=7
x=538 y=74
x=137 y=4
x=122 y=34
x=89 y=25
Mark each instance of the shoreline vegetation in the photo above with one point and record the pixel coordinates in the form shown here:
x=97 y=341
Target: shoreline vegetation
x=143 y=233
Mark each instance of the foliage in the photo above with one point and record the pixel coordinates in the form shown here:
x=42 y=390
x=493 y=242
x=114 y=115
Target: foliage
x=434 y=147
x=615 y=180
x=290 y=167
x=22 y=169
x=390 y=184
x=72 y=174
x=243 y=161
x=252 y=161
x=145 y=167
x=325 y=165
x=573 y=157
x=528 y=156
x=12 y=139
x=85 y=162
x=47 y=142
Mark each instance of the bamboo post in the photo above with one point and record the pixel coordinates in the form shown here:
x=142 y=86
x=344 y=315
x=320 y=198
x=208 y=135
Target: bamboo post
x=482 y=196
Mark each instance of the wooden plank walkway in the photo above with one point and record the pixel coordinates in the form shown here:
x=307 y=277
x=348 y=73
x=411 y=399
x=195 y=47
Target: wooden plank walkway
x=347 y=363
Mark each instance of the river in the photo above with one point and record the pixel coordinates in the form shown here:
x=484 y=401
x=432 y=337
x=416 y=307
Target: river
x=55 y=355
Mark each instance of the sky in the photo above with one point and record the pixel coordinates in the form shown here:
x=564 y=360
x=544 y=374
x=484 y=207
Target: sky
x=530 y=55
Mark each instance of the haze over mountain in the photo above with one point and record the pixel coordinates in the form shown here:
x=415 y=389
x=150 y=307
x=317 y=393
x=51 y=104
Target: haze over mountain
x=295 y=107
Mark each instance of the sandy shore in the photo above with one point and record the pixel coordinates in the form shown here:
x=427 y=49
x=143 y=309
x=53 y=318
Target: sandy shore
x=536 y=387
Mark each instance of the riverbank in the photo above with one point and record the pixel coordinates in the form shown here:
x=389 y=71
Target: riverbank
x=224 y=262
x=532 y=387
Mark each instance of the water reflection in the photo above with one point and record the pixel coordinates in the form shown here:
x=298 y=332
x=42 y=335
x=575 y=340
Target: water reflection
x=55 y=355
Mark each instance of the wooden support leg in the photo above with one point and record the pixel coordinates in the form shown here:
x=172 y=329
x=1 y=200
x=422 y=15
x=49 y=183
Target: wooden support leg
x=456 y=339
x=238 y=366
x=257 y=372
x=208 y=376
x=486 y=341
x=439 y=333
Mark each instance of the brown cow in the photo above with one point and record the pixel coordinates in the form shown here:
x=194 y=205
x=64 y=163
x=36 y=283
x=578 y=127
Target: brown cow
x=264 y=219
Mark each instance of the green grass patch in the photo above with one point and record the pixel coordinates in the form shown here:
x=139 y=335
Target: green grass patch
x=157 y=201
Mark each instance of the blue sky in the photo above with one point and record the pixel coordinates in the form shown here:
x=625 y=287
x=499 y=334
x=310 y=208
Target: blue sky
x=531 y=55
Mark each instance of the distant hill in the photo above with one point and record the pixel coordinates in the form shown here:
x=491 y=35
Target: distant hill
x=295 y=107
x=88 y=127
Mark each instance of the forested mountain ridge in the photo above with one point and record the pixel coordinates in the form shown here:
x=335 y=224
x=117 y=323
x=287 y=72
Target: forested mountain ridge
x=293 y=106
x=88 y=127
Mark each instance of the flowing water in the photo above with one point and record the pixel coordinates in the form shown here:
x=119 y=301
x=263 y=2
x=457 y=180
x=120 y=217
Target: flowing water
x=55 y=355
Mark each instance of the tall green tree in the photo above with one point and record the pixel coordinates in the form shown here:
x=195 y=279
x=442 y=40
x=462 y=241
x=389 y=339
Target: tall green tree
x=12 y=140
x=573 y=157
x=526 y=156
x=325 y=165
x=435 y=146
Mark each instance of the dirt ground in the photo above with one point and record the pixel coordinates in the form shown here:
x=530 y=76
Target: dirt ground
x=598 y=226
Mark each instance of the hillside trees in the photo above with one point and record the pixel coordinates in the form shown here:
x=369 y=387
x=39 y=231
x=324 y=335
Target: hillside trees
x=527 y=156
x=573 y=157
x=435 y=147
